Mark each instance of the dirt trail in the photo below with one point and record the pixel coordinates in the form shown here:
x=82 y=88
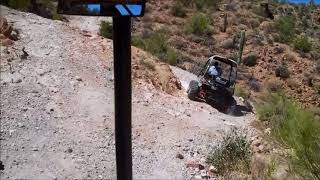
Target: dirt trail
x=57 y=110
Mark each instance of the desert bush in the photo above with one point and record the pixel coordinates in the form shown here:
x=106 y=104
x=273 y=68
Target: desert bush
x=199 y=24
x=254 y=85
x=157 y=44
x=228 y=43
x=282 y=71
x=267 y=27
x=292 y=83
x=23 y=5
x=285 y=26
x=172 y=57
x=302 y=43
x=254 y=23
x=316 y=111
x=185 y=2
x=178 y=10
x=279 y=49
x=51 y=7
x=296 y=129
x=315 y=55
x=106 y=29
x=44 y=8
x=308 y=78
x=231 y=154
x=201 y=4
x=147 y=64
x=250 y=60
x=316 y=87
x=290 y=56
x=242 y=92
x=258 y=10
x=274 y=85
x=318 y=67
x=232 y=6
x=234 y=56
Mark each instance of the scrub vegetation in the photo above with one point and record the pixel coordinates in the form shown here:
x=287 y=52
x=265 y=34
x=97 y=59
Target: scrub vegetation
x=297 y=129
x=231 y=154
x=157 y=44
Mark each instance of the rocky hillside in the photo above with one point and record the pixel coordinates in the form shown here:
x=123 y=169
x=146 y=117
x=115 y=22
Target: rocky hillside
x=57 y=108
x=282 y=49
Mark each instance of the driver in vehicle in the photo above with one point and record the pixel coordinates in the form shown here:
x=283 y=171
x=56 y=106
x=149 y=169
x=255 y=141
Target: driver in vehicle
x=215 y=70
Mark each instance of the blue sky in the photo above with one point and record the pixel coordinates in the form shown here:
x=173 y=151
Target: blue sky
x=303 y=1
x=94 y=7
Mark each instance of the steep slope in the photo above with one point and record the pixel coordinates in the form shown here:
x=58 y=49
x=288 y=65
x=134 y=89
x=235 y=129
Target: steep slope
x=174 y=17
x=57 y=108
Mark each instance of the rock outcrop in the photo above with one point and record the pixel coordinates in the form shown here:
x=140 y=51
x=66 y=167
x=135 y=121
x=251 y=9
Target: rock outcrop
x=7 y=34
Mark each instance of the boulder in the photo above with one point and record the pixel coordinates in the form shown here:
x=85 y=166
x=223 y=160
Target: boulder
x=3 y=23
x=6 y=31
x=6 y=42
x=14 y=35
x=195 y=164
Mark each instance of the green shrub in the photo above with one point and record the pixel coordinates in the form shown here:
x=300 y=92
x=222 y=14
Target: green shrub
x=255 y=85
x=48 y=7
x=23 y=5
x=228 y=43
x=258 y=10
x=157 y=44
x=201 y=4
x=297 y=129
x=184 y=2
x=282 y=71
x=285 y=26
x=148 y=64
x=231 y=154
x=274 y=85
x=53 y=9
x=317 y=88
x=199 y=24
x=178 y=10
x=106 y=29
x=242 y=92
x=302 y=43
x=138 y=41
x=172 y=57
x=250 y=60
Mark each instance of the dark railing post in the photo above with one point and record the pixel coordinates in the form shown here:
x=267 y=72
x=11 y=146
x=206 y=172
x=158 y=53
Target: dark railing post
x=122 y=90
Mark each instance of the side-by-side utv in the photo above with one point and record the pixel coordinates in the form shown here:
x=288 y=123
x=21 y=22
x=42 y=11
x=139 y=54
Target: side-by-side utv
x=217 y=90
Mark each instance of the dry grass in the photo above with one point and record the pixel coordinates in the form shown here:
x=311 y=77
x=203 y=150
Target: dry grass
x=290 y=56
x=274 y=85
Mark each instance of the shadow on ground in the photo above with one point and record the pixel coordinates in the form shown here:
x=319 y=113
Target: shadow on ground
x=236 y=109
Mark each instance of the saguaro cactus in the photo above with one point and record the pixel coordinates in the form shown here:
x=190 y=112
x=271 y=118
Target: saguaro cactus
x=225 y=23
x=242 y=41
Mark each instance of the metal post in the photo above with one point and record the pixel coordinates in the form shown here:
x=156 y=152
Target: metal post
x=122 y=90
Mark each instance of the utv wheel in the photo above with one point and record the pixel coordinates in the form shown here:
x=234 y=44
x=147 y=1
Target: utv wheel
x=193 y=90
x=231 y=110
x=231 y=107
